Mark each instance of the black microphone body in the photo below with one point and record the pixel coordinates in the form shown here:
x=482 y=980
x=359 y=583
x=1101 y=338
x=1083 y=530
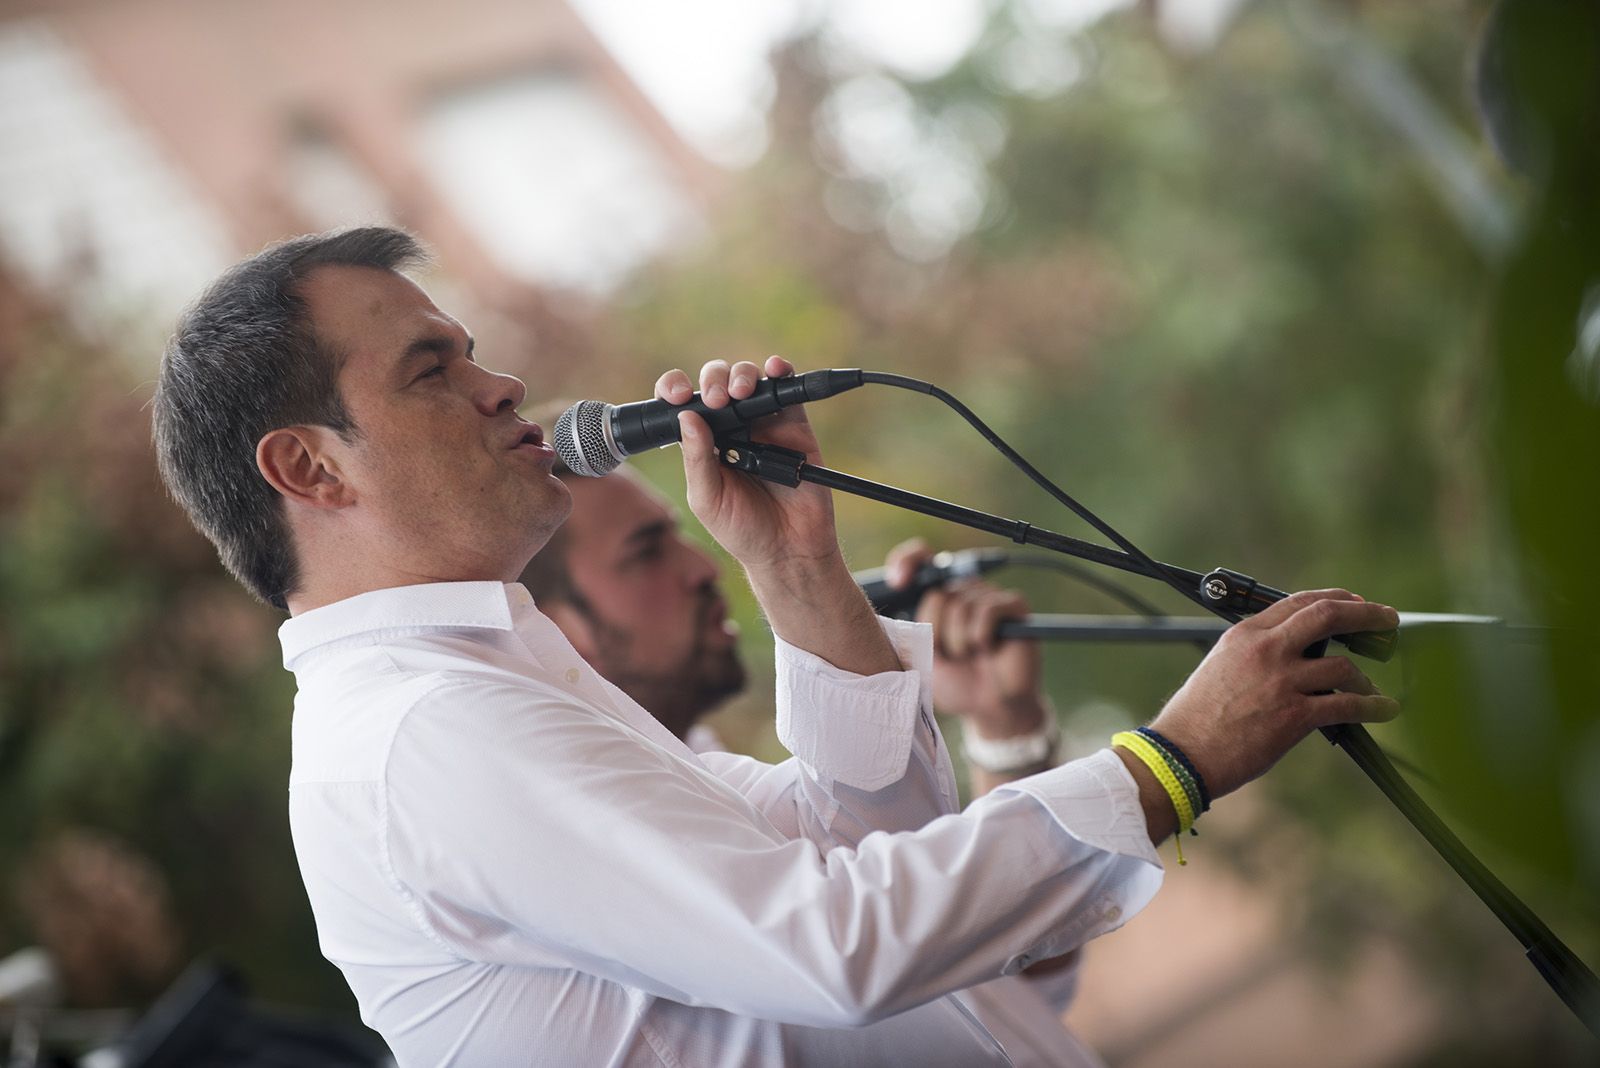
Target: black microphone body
x=943 y=569
x=593 y=437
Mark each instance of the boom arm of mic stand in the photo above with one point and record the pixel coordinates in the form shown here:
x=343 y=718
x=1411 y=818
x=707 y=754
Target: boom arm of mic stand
x=1205 y=630
x=1199 y=630
x=789 y=468
x=1571 y=979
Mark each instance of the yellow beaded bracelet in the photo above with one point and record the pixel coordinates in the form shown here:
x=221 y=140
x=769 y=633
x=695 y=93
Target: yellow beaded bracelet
x=1154 y=759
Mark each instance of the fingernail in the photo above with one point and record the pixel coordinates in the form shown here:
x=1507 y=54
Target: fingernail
x=741 y=382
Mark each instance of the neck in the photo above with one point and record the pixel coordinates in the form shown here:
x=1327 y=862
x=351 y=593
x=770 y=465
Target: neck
x=336 y=568
x=317 y=590
x=319 y=595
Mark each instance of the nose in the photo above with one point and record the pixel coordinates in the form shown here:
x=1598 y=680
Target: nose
x=699 y=569
x=493 y=393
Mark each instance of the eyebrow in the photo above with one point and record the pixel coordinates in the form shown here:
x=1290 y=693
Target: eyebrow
x=652 y=531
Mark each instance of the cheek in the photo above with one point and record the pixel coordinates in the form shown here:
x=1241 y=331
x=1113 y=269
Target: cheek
x=654 y=605
x=651 y=602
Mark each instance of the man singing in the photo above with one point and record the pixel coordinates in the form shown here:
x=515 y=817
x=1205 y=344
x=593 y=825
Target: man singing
x=514 y=864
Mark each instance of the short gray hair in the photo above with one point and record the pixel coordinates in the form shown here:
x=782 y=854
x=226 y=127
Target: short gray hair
x=244 y=361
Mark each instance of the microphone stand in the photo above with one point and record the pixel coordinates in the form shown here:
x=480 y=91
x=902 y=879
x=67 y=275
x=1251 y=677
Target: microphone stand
x=1227 y=592
x=1079 y=627
x=1088 y=627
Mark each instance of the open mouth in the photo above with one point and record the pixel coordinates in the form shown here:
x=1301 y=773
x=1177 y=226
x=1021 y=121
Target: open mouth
x=714 y=616
x=532 y=443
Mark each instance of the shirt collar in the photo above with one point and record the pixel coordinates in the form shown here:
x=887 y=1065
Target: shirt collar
x=402 y=610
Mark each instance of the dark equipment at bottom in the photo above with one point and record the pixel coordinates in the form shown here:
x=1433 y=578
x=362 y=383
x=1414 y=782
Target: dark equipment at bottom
x=205 y=1020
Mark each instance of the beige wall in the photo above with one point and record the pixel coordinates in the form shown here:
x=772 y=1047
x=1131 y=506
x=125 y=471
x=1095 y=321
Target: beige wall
x=224 y=83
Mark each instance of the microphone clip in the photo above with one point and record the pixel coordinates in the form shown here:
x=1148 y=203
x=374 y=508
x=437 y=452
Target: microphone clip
x=1243 y=594
x=1236 y=592
x=773 y=463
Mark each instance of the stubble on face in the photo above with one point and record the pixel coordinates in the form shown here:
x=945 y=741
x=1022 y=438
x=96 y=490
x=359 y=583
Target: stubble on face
x=680 y=695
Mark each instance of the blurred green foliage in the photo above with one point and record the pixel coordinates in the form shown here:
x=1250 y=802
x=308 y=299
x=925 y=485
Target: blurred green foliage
x=1220 y=300
x=144 y=715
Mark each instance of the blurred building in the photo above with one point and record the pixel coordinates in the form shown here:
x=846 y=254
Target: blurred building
x=149 y=143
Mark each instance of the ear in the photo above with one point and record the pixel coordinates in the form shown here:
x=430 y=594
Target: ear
x=296 y=462
x=576 y=626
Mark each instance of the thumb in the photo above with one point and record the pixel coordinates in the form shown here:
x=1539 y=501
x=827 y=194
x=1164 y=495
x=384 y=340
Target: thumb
x=904 y=560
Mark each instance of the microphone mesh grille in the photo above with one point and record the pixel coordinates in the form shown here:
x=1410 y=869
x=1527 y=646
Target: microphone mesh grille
x=580 y=440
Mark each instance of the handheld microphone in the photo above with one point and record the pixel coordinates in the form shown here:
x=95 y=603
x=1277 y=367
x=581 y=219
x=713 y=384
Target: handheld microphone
x=943 y=569
x=593 y=438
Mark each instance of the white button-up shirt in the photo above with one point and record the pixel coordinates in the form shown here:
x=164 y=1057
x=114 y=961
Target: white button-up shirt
x=514 y=864
x=1022 y=1012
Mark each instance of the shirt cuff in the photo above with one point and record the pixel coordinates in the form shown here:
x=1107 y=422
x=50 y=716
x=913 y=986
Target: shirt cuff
x=855 y=730
x=1075 y=795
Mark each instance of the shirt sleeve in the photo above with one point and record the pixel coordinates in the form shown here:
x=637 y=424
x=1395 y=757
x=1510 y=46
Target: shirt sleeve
x=528 y=830
x=868 y=753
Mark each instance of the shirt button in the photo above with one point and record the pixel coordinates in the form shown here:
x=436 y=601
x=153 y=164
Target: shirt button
x=1024 y=961
x=572 y=674
x=1114 y=913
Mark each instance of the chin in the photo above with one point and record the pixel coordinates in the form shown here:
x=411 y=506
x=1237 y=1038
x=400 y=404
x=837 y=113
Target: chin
x=544 y=516
x=559 y=505
x=725 y=676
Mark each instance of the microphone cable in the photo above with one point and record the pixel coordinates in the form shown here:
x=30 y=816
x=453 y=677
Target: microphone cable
x=1152 y=567
x=1372 y=757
